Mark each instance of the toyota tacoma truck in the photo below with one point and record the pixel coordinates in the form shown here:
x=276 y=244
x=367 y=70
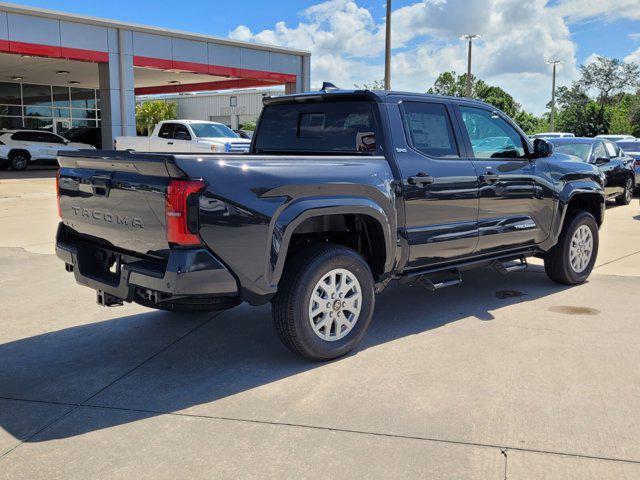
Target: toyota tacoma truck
x=341 y=193
x=186 y=136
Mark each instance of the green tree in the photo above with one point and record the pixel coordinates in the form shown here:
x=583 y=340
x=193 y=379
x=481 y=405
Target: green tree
x=150 y=113
x=251 y=125
x=375 y=85
x=530 y=123
x=609 y=77
x=454 y=85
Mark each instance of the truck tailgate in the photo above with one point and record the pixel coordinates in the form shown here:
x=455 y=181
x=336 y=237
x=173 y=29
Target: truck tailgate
x=117 y=198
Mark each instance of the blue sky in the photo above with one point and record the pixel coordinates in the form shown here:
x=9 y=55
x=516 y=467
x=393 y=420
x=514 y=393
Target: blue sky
x=345 y=36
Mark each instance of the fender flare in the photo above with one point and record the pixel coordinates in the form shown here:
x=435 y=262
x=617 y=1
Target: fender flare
x=296 y=212
x=568 y=193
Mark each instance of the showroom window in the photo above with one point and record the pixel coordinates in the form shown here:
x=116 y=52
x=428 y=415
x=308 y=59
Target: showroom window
x=45 y=107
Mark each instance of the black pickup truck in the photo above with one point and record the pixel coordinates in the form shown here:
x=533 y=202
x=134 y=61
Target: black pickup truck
x=342 y=192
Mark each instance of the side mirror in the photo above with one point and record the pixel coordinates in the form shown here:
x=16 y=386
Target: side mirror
x=181 y=136
x=602 y=160
x=542 y=148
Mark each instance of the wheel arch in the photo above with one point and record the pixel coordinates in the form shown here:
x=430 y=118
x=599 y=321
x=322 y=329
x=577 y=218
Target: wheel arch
x=314 y=220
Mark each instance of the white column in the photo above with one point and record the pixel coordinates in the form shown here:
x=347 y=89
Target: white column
x=117 y=95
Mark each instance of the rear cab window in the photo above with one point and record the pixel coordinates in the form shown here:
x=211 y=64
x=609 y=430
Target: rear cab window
x=428 y=127
x=319 y=127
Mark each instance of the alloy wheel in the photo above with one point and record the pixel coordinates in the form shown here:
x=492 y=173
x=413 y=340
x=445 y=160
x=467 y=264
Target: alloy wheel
x=335 y=305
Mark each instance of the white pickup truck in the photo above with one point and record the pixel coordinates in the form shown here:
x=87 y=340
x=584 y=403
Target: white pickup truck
x=186 y=136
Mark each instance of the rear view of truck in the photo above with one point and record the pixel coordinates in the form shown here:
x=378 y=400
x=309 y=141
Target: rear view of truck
x=129 y=230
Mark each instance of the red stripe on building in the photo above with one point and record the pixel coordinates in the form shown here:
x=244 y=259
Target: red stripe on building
x=51 y=51
x=199 y=87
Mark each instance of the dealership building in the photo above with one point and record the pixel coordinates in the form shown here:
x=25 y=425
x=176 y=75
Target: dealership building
x=59 y=70
x=233 y=108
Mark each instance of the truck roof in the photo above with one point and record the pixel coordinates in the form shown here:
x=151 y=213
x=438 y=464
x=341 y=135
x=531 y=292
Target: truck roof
x=372 y=95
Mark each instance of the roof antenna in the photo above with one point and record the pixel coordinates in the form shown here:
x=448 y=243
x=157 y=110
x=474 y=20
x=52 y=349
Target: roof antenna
x=326 y=86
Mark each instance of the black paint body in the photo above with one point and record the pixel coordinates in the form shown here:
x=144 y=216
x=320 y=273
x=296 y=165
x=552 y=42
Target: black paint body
x=253 y=203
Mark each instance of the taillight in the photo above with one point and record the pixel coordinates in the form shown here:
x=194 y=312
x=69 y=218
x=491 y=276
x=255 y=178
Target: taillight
x=637 y=163
x=181 y=211
x=58 y=192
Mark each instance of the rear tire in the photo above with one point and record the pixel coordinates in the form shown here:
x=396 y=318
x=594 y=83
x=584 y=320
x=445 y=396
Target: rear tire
x=625 y=197
x=572 y=259
x=325 y=302
x=19 y=160
x=191 y=305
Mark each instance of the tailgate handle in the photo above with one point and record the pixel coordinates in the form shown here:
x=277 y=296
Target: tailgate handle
x=101 y=186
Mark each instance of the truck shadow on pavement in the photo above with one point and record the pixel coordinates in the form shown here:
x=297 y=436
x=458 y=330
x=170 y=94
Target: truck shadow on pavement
x=139 y=366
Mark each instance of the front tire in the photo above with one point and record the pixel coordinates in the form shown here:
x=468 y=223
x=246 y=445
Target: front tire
x=325 y=302
x=625 y=197
x=572 y=259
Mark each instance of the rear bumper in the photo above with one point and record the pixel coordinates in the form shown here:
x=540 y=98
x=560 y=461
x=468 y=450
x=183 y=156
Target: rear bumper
x=189 y=272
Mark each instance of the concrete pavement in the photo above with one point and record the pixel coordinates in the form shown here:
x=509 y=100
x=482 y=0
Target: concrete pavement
x=510 y=376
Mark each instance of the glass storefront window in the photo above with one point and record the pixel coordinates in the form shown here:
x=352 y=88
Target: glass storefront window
x=10 y=93
x=37 y=111
x=62 y=112
x=39 y=95
x=47 y=107
x=12 y=110
x=77 y=113
x=61 y=96
x=83 y=123
x=36 y=123
x=9 y=123
x=83 y=98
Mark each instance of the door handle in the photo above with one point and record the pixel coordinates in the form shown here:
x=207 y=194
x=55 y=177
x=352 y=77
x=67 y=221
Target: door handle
x=169 y=143
x=421 y=178
x=489 y=177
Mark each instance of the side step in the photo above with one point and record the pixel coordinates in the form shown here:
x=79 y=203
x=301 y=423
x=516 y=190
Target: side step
x=508 y=267
x=430 y=284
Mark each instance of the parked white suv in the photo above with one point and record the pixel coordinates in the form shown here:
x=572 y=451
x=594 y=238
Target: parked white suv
x=187 y=136
x=18 y=148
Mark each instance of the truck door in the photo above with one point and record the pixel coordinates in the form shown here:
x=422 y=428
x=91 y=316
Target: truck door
x=164 y=141
x=439 y=185
x=516 y=199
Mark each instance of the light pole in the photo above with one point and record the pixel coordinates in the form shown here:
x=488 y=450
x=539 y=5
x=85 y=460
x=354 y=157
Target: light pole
x=470 y=38
x=387 y=50
x=555 y=63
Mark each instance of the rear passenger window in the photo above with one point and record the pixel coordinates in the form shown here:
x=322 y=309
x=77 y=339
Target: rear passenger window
x=25 y=136
x=429 y=129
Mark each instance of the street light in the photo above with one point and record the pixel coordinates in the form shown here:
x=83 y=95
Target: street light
x=387 y=50
x=470 y=38
x=555 y=63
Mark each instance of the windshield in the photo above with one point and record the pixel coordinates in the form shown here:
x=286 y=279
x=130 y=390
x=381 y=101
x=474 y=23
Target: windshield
x=211 y=130
x=580 y=150
x=629 y=146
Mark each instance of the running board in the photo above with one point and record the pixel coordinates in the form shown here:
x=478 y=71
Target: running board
x=432 y=285
x=508 y=267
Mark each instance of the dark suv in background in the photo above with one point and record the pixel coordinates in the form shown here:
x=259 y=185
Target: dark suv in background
x=89 y=135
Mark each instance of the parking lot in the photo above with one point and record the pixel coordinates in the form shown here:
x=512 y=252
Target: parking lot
x=504 y=377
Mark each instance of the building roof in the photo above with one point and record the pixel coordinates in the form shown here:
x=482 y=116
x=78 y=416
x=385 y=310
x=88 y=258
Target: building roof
x=55 y=14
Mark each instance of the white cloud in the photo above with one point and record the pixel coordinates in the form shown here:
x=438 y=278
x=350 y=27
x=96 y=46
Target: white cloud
x=578 y=10
x=347 y=42
x=633 y=57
